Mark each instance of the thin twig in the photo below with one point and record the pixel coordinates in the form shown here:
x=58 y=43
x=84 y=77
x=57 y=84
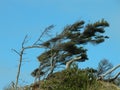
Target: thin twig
x=34 y=46
x=24 y=41
x=15 y=51
x=43 y=33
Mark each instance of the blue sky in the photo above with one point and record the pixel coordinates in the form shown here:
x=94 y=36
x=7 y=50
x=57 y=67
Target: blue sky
x=21 y=17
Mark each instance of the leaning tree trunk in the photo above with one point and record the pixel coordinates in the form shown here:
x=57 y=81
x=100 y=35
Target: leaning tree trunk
x=113 y=78
x=71 y=61
x=101 y=77
x=109 y=71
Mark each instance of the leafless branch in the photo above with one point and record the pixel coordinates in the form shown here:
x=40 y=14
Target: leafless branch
x=34 y=46
x=21 y=53
x=23 y=48
x=16 y=51
x=115 y=77
x=43 y=33
x=101 y=77
x=109 y=71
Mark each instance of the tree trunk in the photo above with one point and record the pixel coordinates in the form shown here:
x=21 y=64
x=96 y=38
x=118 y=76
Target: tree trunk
x=113 y=78
x=19 y=68
x=71 y=61
x=109 y=71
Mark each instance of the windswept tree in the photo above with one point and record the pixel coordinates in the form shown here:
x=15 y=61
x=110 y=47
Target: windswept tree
x=68 y=46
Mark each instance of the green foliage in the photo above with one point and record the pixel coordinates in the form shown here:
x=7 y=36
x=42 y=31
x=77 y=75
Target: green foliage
x=75 y=79
x=101 y=23
x=69 y=44
x=47 y=54
x=71 y=79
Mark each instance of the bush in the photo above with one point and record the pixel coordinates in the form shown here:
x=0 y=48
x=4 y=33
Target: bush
x=71 y=79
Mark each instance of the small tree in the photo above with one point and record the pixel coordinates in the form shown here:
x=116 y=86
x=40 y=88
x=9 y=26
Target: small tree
x=104 y=70
x=103 y=66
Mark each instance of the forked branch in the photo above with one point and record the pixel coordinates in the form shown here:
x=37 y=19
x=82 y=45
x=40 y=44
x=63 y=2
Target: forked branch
x=23 y=48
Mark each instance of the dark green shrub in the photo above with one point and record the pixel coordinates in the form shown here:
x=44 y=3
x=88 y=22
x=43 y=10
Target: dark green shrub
x=71 y=79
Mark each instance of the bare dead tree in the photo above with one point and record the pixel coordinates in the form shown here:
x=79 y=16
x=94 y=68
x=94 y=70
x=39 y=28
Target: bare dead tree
x=113 y=78
x=111 y=70
x=103 y=66
x=101 y=77
x=36 y=44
